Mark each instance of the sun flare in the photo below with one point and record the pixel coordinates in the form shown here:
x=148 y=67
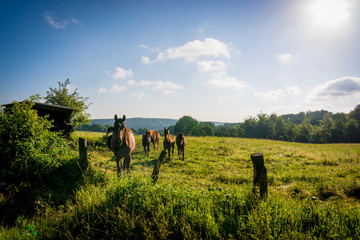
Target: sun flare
x=329 y=13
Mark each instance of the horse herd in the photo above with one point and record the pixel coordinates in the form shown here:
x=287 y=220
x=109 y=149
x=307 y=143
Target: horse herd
x=122 y=142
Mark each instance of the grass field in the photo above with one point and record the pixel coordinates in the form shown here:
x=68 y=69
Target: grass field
x=314 y=193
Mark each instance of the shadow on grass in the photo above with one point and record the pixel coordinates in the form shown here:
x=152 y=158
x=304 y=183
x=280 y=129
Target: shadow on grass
x=54 y=189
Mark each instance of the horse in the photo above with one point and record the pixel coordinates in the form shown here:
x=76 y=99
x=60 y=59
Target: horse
x=121 y=142
x=155 y=138
x=146 y=140
x=169 y=142
x=180 y=143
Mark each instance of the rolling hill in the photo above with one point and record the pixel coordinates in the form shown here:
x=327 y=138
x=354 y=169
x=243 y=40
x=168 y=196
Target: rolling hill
x=136 y=123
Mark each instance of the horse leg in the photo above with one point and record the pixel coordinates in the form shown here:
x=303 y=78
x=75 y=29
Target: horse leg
x=118 y=165
x=183 y=153
x=172 y=150
x=127 y=161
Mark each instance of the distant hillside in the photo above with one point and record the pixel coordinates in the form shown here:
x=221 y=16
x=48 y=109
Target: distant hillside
x=136 y=123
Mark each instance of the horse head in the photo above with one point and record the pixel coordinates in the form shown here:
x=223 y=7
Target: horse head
x=166 y=132
x=119 y=125
x=148 y=136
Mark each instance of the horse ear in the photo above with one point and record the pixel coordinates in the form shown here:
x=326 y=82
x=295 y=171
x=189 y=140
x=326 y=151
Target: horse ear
x=124 y=117
x=115 y=117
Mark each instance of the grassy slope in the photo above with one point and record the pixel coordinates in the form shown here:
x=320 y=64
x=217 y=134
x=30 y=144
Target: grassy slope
x=313 y=191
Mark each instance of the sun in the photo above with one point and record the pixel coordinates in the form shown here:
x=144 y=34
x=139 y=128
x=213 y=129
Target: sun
x=329 y=13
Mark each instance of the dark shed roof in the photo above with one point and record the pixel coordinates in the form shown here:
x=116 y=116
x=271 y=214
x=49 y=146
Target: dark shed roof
x=59 y=114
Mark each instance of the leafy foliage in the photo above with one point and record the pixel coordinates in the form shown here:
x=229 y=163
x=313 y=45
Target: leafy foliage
x=28 y=148
x=62 y=96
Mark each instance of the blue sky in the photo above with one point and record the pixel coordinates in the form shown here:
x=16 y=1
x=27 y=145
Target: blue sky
x=212 y=60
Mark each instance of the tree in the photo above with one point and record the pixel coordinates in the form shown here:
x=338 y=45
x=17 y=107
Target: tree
x=352 y=131
x=208 y=128
x=279 y=128
x=355 y=113
x=186 y=125
x=62 y=96
x=303 y=131
x=289 y=131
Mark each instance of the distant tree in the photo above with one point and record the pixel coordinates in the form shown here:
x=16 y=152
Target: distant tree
x=326 y=128
x=339 y=130
x=303 y=131
x=249 y=127
x=352 y=131
x=208 y=128
x=262 y=126
x=62 y=96
x=279 y=128
x=289 y=131
x=355 y=114
x=186 y=125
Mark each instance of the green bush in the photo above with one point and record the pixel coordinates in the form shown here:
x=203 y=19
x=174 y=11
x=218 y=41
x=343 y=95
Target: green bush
x=28 y=149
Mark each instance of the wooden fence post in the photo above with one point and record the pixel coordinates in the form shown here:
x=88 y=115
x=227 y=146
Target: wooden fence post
x=155 y=174
x=83 y=161
x=260 y=174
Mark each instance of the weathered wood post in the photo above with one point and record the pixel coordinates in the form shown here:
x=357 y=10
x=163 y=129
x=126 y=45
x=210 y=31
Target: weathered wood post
x=155 y=174
x=83 y=161
x=260 y=179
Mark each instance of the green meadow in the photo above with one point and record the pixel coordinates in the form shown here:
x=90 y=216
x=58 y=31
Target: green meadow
x=314 y=192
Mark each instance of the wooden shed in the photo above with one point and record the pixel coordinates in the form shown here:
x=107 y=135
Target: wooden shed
x=60 y=115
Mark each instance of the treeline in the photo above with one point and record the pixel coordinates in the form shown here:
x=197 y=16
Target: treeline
x=311 y=127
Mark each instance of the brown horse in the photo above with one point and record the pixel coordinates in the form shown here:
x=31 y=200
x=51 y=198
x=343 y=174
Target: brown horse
x=155 y=138
x=180 y=143
x=122 y=143
x=146 y=140
x=169 y=142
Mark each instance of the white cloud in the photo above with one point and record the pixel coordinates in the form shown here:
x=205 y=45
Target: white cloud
x=102 y=90
x=191 y=51
x=76 y=21
x=293 y=90
x=160 y=85
x=283 y=58
x=139 y=96
x=272 y=95
x=117 y=88
x=122 y=73
x=50 y=19
x=141 y=83
x=148 y=48
x=59 y=24
x=145 y=60
x=114 y=89
x=166 y=88
x=210 y=66
x=340 y=88
x=222 y=80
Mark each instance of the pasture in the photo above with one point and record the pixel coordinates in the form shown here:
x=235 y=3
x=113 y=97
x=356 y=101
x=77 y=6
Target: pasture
x=314 y=192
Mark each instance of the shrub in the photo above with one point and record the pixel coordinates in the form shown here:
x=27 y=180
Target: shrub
x=28 y=149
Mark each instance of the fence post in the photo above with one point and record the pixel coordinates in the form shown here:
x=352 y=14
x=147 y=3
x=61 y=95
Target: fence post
x=83 y=161
x=260 y=179
x=155 y=174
